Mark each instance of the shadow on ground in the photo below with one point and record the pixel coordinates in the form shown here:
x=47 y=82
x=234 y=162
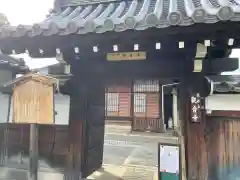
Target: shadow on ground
x=106 y=174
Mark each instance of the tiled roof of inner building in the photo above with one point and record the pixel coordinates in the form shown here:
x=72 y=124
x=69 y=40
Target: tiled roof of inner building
x=13 y=62
x=135 y=14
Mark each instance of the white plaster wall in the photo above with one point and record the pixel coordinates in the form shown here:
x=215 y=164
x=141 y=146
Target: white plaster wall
x=227 y=102
x=62 y=103
x=4 y=101
x=5 y=77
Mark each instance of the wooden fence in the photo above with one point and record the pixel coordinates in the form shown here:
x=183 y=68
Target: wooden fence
x=223 y=145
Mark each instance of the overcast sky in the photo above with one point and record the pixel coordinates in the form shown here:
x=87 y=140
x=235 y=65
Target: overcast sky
x=25 y=11
x=28 y=12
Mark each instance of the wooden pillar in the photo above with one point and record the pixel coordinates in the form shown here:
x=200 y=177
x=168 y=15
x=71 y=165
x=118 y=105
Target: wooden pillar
x=195 y=144
x=76 y=89
x=86 y=122
x=33 y=152
x=95 y=125
x=162 y=125
x=76 y=120
x=132 y=105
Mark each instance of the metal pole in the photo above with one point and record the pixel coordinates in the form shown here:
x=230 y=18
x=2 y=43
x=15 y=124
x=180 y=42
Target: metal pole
x=163 y=129
x=175 y=109
x=33 y=152
x=162 y=122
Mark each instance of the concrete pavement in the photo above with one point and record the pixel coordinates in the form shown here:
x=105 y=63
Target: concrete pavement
x=112 y=172
x=130 y=156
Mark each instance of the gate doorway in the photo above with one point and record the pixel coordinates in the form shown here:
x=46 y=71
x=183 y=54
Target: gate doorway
x=168 y=110
x=137 y=103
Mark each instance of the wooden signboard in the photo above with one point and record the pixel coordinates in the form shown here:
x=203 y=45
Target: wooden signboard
x=127 y=56
x=33 y=96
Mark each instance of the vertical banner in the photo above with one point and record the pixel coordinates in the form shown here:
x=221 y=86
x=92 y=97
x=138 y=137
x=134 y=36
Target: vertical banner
x=169 y=162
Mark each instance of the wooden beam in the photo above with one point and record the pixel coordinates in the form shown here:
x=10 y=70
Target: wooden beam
x=224 y=114
x=134 y=69
x=172 y=68
x=214 y=66
x=153 y=68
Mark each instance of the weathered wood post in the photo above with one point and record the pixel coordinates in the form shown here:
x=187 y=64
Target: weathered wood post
x=33 y=104
x=86 y=119
x=193 y=121
x=33 y=152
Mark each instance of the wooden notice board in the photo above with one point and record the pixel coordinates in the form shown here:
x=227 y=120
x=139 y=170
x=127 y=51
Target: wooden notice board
x=33 y=100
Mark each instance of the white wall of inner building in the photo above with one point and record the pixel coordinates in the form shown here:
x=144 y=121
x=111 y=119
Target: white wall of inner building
x=225 y=102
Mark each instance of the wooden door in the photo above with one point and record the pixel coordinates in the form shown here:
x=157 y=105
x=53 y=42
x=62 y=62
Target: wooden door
x=94 y=129
x=223 y=142
x=146 y=105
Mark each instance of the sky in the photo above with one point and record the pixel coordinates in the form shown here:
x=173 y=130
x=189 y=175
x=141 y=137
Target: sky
x=28 y=12
x=25 y=12
x=235 y=54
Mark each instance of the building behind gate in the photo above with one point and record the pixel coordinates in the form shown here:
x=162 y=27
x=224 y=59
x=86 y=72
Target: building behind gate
x=137 y=102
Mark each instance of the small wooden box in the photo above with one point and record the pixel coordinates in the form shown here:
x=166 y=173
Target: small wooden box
x=33 y=99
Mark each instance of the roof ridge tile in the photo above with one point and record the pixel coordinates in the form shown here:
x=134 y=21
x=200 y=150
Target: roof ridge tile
x=114 y=15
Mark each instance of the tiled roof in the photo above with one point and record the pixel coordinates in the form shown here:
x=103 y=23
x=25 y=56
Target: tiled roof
x=16 y=63
x=226 y=83
x=135 y=14
x=231 y=79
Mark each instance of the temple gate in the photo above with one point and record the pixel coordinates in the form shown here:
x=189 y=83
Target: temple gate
x=112 y=41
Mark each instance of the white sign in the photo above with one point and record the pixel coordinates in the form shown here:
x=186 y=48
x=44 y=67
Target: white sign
x=169 y=159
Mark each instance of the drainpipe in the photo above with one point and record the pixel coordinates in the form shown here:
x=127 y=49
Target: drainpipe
x=163 y=128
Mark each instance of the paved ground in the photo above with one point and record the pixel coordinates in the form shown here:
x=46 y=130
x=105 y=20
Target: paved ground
x=130 y=156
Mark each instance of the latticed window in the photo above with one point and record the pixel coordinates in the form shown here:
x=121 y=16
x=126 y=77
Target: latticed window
x=139 y=102
x=146 y=86
x=112 y=102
